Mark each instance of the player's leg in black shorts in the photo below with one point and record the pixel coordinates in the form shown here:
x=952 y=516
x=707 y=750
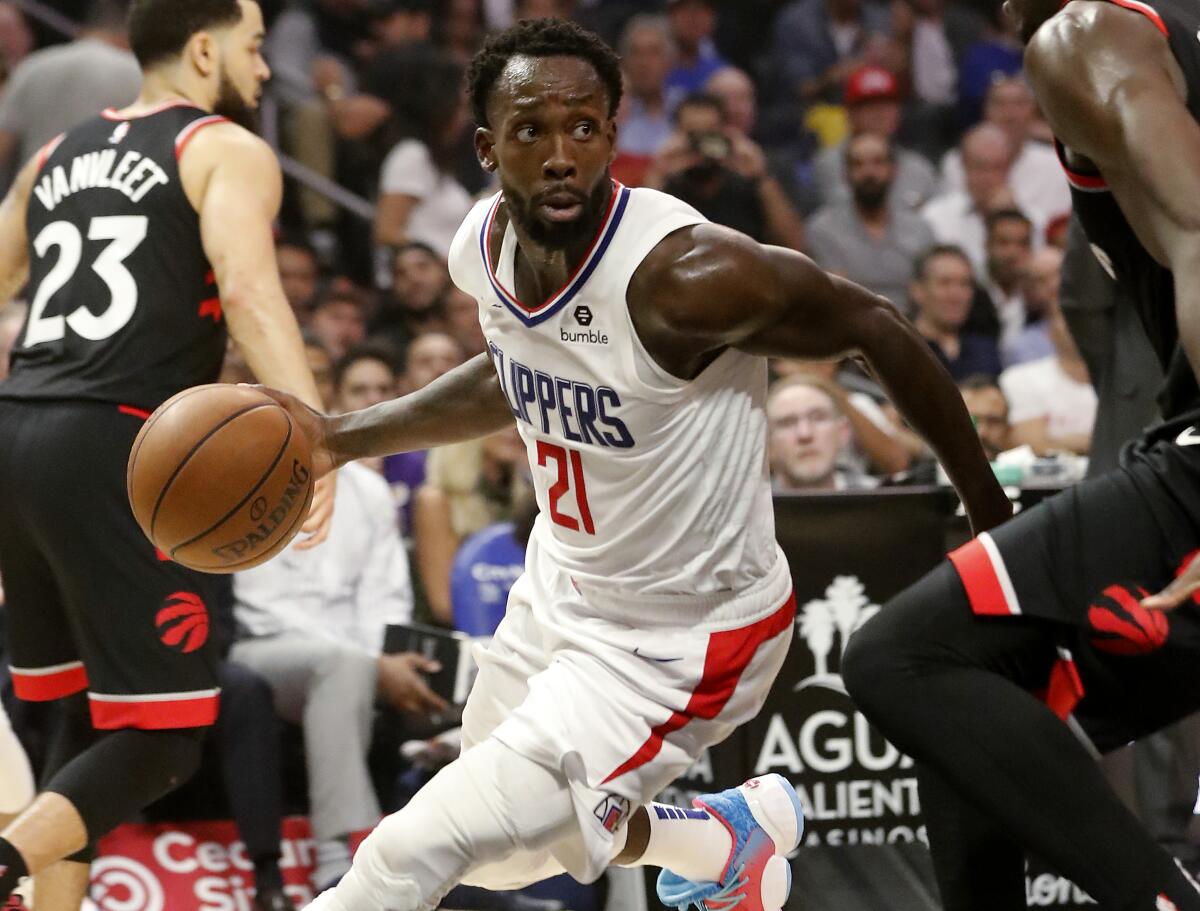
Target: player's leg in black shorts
x=990 y=669
x=94 y=613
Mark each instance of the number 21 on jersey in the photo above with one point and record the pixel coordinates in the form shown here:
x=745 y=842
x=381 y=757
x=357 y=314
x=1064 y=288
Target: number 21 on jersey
x=569 y=465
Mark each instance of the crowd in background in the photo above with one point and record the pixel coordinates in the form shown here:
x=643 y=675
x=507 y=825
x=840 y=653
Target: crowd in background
x=896 y=143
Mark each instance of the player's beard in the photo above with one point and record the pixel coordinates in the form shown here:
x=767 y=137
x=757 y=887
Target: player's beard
x=231 y=105
x=559 y=235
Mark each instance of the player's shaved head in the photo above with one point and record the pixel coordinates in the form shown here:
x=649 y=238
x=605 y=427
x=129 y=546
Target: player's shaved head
x=159 y=30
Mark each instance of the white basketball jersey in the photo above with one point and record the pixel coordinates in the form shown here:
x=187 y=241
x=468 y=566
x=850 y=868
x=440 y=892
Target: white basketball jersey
x=647 y=483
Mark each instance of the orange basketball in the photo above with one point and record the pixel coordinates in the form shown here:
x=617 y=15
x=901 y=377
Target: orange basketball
x=220 y=479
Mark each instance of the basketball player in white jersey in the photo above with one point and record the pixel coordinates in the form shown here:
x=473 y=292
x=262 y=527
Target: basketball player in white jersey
x=627 y=338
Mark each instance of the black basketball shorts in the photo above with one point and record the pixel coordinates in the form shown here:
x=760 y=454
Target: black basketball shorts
x=1082 y=561
x=91 y=604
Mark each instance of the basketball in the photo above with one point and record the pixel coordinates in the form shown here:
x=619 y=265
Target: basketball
x=219 y=478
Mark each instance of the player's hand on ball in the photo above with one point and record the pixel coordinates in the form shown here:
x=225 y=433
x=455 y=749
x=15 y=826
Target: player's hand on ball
x=1181 y=589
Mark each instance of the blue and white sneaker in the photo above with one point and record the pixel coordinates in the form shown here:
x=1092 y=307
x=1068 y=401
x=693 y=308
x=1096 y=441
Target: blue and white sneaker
x=766 y=821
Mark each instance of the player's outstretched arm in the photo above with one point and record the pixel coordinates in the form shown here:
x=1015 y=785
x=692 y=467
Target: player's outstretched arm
x=233 y=179
x=1114 y=93
x=14 y=243
x=713 y=288
x=464 y=404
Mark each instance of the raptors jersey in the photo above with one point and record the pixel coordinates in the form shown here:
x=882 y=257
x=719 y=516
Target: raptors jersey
x=647 y=484
x=122 y=303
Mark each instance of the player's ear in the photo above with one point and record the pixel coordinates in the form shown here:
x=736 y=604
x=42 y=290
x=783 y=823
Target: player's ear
x=610 y=132
x=485 y=149
x=202 y=53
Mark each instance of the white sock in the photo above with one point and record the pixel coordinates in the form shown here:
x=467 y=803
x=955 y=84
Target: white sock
x=333 y=860
x=16 y=779
x=688 y=842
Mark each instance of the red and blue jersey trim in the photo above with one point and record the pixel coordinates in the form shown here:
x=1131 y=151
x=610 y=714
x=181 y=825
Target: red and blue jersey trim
x=532 y=316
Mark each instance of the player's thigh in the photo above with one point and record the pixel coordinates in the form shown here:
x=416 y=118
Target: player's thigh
x=141 y=622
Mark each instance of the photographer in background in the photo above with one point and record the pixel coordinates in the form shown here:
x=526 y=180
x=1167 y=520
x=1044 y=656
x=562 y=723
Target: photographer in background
x=723 y=174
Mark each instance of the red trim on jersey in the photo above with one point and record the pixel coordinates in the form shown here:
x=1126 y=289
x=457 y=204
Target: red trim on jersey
x=114 y=114
x=160 y=556
x=154 y=713
x=1146 y=10
x=49 y=683
x=188 y=132
x=134 y=412
x=1092 y=183
x=211 y=307
x=48 y=149
x=729 y=654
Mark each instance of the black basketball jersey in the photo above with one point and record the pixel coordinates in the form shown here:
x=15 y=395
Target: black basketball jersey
x=123 y=307
x=1150 y=286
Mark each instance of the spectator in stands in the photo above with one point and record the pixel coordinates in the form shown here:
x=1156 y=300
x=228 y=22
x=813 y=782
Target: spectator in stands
x=59 y=87
x=420 y=284
x=693 y=23
x=17 y=40
x=873 y=106
x=942 y=291
x=12 y=318
x=739 y=100
x=989 y=411
x=868 y=240
x=818 y=43
x=999 y=309
x=724 y=175
x=468 y=486
x=401 y=23
x=930 y=36
x=1042 y=281
x=957 y=216
x=998 y=50
x=304 y=34
x=648 y=104
x=339 y=320
x=320 y=362
x=365 y=376
x=459 y=28
x=419 y=197
x=1052 y=402
x=877 y=445
x=299 y=272
x=807 y=435
x=313 y=624
x=462 y=322
x=1038 y=183
x=429 y=356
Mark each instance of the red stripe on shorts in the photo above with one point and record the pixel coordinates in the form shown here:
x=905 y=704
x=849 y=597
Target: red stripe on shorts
x=729 y=653
x=134 y=411
x=48 y=684
x=153 y=713
x=981 y=580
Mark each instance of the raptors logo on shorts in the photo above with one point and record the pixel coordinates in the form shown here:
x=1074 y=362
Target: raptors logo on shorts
x=1121 y=626
x=183 y=622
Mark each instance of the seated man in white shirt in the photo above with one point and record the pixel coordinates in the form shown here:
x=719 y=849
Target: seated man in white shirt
x=312 y=623
x=1052 y=403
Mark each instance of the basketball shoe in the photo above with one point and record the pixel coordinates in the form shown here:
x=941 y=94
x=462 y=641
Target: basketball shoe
x=766 y=821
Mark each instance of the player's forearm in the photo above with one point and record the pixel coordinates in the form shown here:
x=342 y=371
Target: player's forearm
x=464 y=404
x=926 y=396
x=269 y=339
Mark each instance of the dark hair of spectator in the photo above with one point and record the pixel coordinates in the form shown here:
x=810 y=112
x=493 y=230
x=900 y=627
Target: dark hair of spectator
x=107 y=15
x=421 y=85
x=368 y=351
x=160 y=29
x=921 y=266
x=978 y=381
x=409 y=245
x=1001 y=215
x=541 y=38
x=298 y=242
x=700 y=100
x=336 y=294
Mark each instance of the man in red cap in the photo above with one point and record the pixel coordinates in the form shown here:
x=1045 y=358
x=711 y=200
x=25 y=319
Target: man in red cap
x=873 y=104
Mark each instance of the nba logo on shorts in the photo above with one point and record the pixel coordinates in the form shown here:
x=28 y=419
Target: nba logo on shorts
x=611 y=811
